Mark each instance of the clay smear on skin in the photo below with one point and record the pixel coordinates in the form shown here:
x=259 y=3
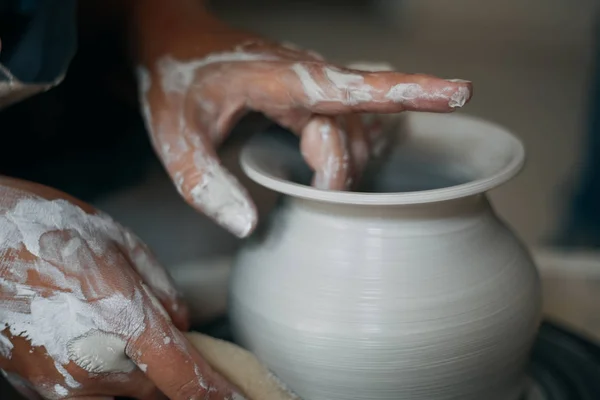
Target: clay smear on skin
x=60 y=390
x=217 y=191
x=91 y=330
x=346 y=88
x=378 y=137
x=40 y=226
x=412 y=92
x=72 y=383
x=350 y=89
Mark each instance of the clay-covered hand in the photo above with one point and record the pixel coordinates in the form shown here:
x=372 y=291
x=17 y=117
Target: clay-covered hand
x=197 y=77
x=86 y=312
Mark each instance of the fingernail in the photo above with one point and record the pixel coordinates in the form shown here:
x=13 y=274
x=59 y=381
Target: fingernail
x=458 y=81
x=223 y=199
x=459 y=98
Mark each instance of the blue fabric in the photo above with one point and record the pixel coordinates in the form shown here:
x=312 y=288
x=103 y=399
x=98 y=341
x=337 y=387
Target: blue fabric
x=583 y=224
x=28 y=6
x=44 y=41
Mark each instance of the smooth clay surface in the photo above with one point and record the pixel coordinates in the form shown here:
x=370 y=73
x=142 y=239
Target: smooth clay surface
x=403 y=295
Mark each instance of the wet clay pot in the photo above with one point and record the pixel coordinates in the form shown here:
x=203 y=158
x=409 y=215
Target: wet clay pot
x=412 y=289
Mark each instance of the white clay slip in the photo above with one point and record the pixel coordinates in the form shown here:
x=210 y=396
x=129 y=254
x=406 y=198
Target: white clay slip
x=94 y=318
x=98 y=352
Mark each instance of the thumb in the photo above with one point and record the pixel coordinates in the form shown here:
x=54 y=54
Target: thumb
x=187 y=153
x=206 y=185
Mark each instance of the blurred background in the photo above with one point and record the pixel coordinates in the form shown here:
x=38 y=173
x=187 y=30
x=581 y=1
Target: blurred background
x=533 y=67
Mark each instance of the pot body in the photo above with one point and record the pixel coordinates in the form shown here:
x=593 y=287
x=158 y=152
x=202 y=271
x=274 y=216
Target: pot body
x=432 y=301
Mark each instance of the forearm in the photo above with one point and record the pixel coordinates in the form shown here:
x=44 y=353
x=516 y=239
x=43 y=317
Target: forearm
x=181 y=29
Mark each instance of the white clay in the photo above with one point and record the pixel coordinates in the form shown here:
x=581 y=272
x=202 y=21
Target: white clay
x=352 y=88
x=312 y=89
x=38 y=324
x=60 y=233
x=459 y=98
x=223 y=197
x=100 y=352
x=61 y=390
x=177 y=76
x=389 y=122
x=407 y=295
x=345 y=87
x=69 y=380
x=409 y=92
x=41 y=227
x=6 y=347
x=405 y=92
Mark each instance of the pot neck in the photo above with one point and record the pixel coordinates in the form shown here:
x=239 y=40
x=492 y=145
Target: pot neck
x=468 y=205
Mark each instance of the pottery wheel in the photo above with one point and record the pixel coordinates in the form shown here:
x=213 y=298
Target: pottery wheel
x=564 y=366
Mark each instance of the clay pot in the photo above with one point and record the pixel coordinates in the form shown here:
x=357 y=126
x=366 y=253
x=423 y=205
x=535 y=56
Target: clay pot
x=410 y=290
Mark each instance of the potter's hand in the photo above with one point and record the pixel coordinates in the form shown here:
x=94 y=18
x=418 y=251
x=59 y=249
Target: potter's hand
x=86 y=312
x=198 y=76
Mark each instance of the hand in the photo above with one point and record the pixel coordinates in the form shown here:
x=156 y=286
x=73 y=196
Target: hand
x=86 y=312
x=197 y=77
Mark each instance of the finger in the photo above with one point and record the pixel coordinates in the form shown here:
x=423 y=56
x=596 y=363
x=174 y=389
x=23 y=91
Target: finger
x=174 y=365
x=358 y=144
x=330 y=90
x=324 y=146
x=189 y=157
x=156 y=278
x=374 y=125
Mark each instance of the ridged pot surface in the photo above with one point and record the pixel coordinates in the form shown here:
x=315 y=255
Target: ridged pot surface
x=405 y=303
x=412 y=289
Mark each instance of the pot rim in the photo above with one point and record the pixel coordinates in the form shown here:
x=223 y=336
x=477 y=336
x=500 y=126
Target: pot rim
x=272 y=174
